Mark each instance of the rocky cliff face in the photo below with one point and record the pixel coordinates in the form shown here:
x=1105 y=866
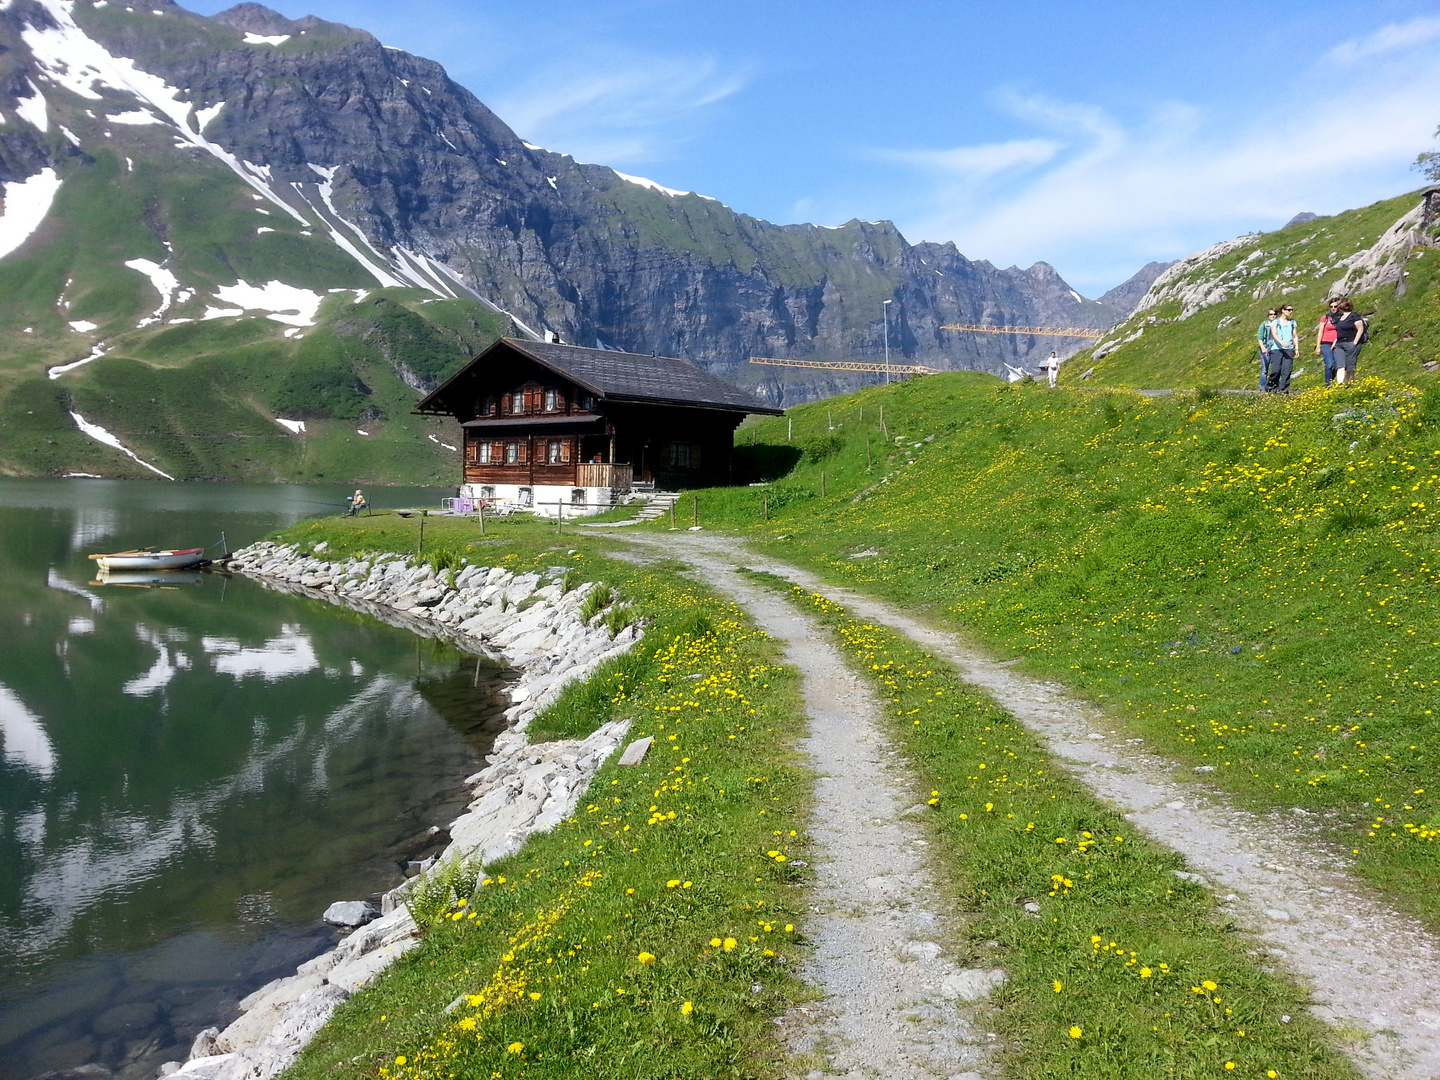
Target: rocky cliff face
x=425 y=187
x=1125 y=297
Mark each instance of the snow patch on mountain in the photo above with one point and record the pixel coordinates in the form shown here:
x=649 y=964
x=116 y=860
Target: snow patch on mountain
x=166 y=284
x=135 y=118
x=32 y=109
x=285 y=303
x=99 y=434
x=261 y=39
x=95 y=354
x=26 y=204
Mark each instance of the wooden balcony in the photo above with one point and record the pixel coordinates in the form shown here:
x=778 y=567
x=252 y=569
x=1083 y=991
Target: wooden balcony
x=614 y=477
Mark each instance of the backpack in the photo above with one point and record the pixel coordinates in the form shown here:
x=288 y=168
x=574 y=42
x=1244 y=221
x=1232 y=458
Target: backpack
x=1364 y=334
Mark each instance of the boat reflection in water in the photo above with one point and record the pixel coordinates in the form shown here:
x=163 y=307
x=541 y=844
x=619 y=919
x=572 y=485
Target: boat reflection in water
x=149 y=579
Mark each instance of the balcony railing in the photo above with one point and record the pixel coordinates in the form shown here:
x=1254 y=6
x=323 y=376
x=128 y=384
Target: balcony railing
x=614 y=477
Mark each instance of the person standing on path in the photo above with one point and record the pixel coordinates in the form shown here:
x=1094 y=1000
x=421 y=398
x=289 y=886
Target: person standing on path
x=1263 y=338
x=1284 y=337
x=1349 y=334
x=1325 y=341
x=1052 y=367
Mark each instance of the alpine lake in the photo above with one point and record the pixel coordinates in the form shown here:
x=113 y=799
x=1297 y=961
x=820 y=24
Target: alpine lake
x=192 y=770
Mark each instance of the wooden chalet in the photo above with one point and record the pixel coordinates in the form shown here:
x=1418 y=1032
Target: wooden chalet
x=546 y=423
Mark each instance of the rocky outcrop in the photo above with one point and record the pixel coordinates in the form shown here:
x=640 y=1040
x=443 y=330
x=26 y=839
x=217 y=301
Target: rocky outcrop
x=537 y=627
x=1125 y=297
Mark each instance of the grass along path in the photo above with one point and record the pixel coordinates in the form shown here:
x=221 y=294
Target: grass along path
x=1375 y=972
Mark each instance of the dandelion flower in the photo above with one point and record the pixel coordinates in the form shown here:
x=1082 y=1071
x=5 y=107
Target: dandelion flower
x=789 y=928
x=467 y=1024
x=714 y=942
x=534 y=995
x=400 y=1059
x=1059 y=986
x=672 y=883
x=1230 y=1065
x=1208 y=985
x=515 y=1048
x=730 y=944
x=1145 y=973
x=1075 y=1032
x=646 y=958
x=688 y=1008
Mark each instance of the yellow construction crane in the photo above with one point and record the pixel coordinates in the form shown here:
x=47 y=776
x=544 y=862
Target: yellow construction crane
x=1034 y=331
x=846 y=365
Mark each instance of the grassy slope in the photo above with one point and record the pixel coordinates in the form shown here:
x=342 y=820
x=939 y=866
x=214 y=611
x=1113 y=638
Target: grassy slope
x=1297 y=267
x=1225 y=573
x=552 y=956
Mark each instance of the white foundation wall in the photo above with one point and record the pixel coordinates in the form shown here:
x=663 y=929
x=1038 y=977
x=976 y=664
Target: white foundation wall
x=541 y=498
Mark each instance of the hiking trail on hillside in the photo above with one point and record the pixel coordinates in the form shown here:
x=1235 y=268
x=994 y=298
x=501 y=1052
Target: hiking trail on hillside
x=1373 y=972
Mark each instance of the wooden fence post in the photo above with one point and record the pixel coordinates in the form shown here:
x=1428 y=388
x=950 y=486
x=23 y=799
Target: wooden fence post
x=420 y=546
x=697 y=509
x=482 y=518
x=672 y=517
x=822 y=485
x=766 y=500
x=867 y=455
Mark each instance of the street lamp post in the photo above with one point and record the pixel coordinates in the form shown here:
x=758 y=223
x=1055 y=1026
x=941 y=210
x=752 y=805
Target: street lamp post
x=885 y=310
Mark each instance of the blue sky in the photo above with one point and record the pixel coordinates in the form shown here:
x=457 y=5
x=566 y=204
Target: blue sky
x=1093 y=136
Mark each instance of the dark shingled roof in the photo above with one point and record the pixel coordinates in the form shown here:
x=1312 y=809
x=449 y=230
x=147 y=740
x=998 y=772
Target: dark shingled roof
x=625 y=376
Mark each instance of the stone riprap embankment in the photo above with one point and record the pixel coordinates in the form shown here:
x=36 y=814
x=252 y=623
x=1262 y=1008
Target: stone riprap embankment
x=533 y=623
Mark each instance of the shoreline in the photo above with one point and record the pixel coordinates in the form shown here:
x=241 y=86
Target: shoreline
x=522 y=789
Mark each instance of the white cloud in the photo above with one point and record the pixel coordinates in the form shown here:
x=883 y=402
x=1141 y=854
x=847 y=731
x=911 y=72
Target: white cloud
x=980 y=161
x=1396 y=37
x=620 y=110
x=1112 y=195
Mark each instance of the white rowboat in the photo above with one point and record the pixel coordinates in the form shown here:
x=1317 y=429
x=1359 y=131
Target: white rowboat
x=151 y=560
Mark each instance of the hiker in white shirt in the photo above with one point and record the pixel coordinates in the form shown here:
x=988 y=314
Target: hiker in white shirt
x=1051 y=364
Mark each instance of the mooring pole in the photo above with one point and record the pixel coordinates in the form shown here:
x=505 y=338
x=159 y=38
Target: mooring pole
x=420 y=546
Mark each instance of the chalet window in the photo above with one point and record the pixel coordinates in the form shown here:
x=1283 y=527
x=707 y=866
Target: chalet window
x=684 y=455
x=577 y=497
x=552 y=400
x=517 y=402
x=487 y=493
x=589 y=405
x=557 y=452
x=512 y=453
x=485 y=406
x=484 y=453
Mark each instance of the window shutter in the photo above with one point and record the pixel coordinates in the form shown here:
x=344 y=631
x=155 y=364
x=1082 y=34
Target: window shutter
x=565 y=451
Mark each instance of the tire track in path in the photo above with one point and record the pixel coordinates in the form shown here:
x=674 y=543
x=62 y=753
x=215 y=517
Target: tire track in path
x=895 y=999
x=1373 y=971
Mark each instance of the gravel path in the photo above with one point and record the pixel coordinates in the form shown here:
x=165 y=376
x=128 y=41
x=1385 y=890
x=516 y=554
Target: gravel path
x=1374 y=972
x=897 y=1005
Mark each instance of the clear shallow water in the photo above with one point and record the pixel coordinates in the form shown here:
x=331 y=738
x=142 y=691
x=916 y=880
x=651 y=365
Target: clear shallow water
x=190 y=774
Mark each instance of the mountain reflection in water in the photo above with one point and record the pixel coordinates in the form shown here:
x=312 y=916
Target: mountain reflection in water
x=190 y=773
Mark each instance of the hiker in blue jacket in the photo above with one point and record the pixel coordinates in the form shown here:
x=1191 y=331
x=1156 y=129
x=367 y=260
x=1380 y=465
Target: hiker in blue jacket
x=1283 y=338
x=1266 y=342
